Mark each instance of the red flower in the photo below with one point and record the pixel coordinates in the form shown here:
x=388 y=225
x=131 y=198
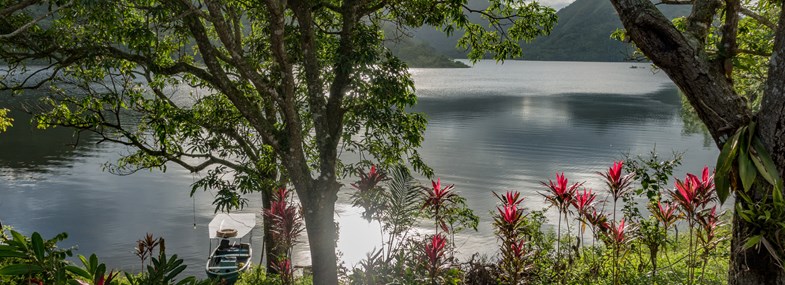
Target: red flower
x=285 y=218
x=708 y=180
x=615 y=171
x=597 y=219
x=618 y=232
x=582 y=201
x=709 y=220
x=510 y=198
x=509 y=214
x=617 y=184
x=370 y=180
x=108 y=280
x=560 y=193
x=438 y=194
x=704 y=186
x=518 y=248
x=434 y=250
x=666 y=214
x=284 y=267
x=686 y=194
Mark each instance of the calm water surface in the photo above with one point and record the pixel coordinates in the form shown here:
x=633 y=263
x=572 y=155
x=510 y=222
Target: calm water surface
x=491 y=128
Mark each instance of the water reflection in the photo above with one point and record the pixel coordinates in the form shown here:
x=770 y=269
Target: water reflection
x=491 y=128
x=29 y=150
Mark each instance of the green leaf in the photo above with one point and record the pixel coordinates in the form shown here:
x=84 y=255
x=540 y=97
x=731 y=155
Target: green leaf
x=722 y=185
x=20 y=269
x=747 y=171
x=93 y=263
x=38 y=246
x=84 y=261
x=776 y=195
x=20 y=239
x=724 y=164
x=728 y=153
x=100 y=271
x=78 y=271
x=764 y=163
x=752 y=241
x=175 y=272
x=12 y=253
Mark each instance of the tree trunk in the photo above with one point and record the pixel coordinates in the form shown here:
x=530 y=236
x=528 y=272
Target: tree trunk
x=319 y=213
x=704 y=82
x=753 y=266
x=269 y=244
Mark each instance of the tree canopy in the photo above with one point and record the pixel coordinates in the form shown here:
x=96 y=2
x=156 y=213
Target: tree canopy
x=255 y=93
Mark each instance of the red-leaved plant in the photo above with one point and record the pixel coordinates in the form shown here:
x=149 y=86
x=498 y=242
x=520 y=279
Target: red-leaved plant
x=369 y=194
x=509 y=229
x=435 y=249
x=436 y=199
x=693 y=195
x=287 y=226
x=560 y=195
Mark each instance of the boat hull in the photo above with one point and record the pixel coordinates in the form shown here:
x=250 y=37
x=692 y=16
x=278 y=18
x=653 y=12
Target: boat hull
x=227 y=262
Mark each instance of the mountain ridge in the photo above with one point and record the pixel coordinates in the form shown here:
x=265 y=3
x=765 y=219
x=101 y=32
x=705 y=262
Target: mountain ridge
x=582 y=33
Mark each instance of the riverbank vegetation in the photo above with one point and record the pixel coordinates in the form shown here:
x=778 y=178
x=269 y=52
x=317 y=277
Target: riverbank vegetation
x=637 y=229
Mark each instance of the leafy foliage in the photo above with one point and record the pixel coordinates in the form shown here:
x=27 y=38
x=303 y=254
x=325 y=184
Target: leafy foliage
x=5 y=121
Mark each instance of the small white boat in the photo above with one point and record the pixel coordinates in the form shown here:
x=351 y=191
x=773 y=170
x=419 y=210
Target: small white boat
x=231 y=256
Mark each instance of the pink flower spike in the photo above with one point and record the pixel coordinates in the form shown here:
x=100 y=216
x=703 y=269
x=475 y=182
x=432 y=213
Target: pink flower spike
x=582 y=201
x=434 y=250
x=518 y=248
x=619 y=232
x=509 y=214
x=615 y=171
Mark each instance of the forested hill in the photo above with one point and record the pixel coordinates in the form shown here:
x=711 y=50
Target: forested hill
x=581 y=34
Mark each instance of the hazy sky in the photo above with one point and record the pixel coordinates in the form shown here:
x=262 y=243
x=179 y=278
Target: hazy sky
x=556 y=4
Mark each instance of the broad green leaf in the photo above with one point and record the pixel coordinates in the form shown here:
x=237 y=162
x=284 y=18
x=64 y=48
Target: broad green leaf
x=84 y=261
x=175 y=272
x=752 y=241
x=38 y=246
x=20 y=269
x=728 y=153
x=4 y=247
x=100 y=271
x=11 y=253
x=78 y=271
x=747 y=171
x=764 y=163
x=93 y=263
x=722 y=185
x=776 y=194
x=20 y=239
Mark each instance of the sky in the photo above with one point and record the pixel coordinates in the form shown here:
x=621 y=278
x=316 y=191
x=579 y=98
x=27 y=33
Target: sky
x=556 y=4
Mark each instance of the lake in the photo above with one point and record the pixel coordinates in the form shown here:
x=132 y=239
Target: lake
x=491 y=127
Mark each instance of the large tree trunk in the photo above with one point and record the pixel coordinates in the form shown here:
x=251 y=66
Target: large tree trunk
x=319 y=212
x=752 y=266
x=269 y=254
x=704 y=82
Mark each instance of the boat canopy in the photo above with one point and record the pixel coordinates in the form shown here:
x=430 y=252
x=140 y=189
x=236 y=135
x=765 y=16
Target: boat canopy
x=242 y=223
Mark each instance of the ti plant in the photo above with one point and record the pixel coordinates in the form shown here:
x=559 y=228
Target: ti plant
x=560 y=195
x=509 y=224
x=287 y=226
